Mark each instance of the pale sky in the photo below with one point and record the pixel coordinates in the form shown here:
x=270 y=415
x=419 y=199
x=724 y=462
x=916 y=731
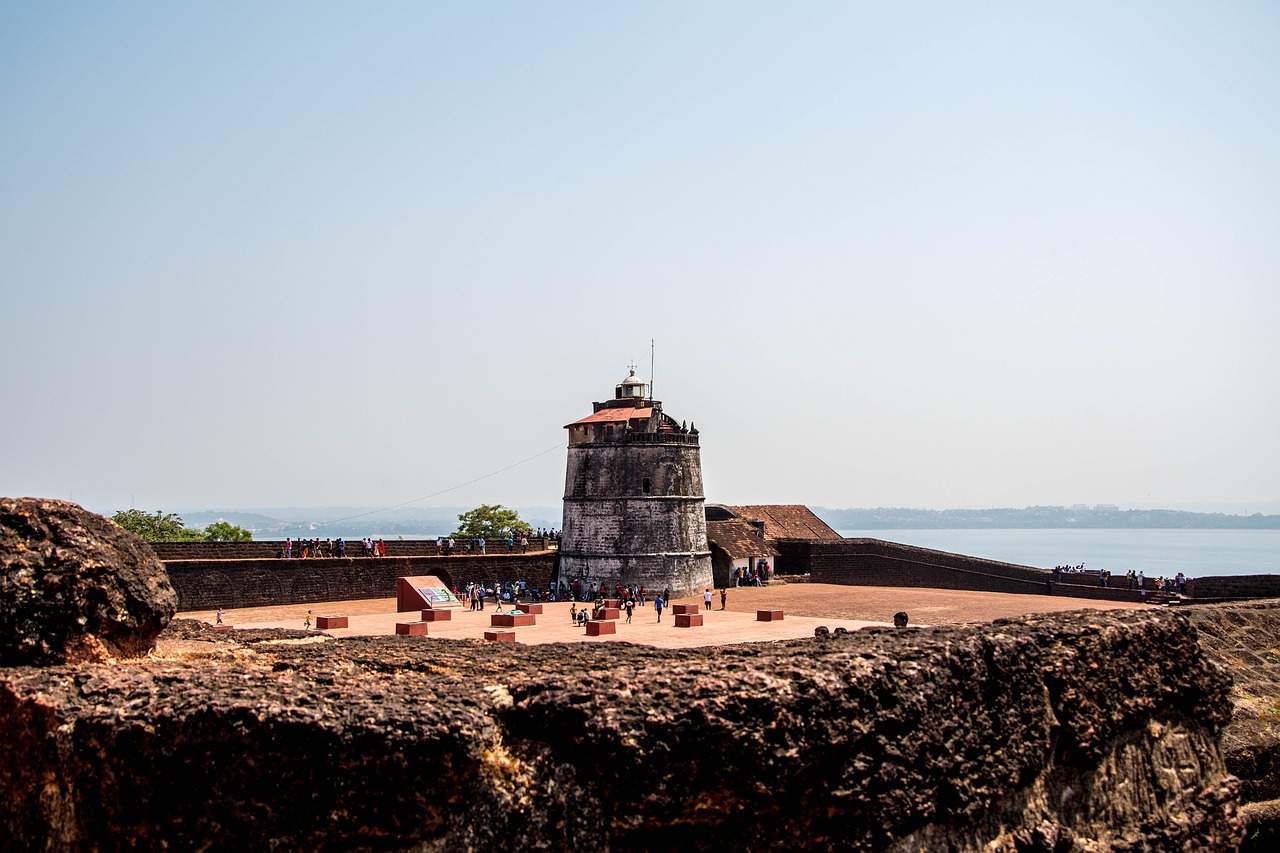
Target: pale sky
x=893 y=254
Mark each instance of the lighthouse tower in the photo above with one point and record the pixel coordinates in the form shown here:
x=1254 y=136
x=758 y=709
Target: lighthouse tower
x=633 y=502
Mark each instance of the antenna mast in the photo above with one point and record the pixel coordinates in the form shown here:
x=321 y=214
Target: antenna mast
x=652 y=396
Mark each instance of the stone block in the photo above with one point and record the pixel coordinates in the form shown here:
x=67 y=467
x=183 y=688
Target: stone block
x=686 y=608
x=688 y=620
x=512 y=620
x=768 y=615
x=412 y=629
x=610 y=613
x=323 y=622
x=500 y=636
x=613 y=602
x=224 y=627
x=430 y=615
x=596 y=628
x=535 y=609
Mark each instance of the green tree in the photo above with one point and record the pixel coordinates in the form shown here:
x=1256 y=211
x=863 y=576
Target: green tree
x=490 y=521
x=225 y=531
x=156 y=527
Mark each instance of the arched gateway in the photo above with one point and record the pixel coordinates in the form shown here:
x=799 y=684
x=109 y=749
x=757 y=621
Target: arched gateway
x=633 y=501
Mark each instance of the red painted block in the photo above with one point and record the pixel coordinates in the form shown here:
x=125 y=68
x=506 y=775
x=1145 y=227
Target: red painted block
x=512 y=620
x=685 y=608
x=323 y=622
x=224 y=627
x=610 y=613
x=500 y=636
x=768 y=615
x=688 y=620
x=535 y=609
x=412 y=629
x=430 y=615
x=612 y=602
x=595 y=628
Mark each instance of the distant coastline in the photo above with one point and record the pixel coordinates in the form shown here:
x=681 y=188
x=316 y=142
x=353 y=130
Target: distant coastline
x=1040 y=517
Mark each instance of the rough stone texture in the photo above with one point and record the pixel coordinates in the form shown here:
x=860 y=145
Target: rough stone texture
x=1074 y=732
x=75 y=586
x=1245 y=639
x=616 y=533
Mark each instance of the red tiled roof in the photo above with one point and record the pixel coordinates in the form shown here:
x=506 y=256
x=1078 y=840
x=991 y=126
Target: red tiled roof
x=615 y=416
x=788 y=521
x=738 y=539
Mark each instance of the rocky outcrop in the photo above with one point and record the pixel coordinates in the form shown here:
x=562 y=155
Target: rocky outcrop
x=1076 y=732
x=75 y=586
x=1245 y=639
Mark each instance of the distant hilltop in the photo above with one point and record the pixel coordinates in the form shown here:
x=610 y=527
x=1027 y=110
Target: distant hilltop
x=1101 y=515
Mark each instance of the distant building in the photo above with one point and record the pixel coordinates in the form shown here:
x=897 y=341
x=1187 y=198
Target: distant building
x=633 y=499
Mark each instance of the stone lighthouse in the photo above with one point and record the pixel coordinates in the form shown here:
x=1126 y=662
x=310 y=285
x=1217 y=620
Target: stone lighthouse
x=633 y=502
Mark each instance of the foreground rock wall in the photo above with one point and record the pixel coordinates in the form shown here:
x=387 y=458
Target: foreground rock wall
x=1072 y=732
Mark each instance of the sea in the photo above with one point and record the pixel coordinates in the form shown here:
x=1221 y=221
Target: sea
x=1156 y=552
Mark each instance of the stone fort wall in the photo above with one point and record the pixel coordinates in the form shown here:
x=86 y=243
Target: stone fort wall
x=874 y=562
x=206 y=584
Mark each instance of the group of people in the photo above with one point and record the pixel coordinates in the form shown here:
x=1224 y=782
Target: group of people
x=318 y=548
x=1137 y=579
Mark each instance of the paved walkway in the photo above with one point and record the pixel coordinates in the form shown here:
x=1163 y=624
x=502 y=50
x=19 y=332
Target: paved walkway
x=719 y=627
x=806 y=606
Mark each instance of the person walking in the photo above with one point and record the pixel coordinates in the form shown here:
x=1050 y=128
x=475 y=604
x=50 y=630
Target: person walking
x=724 y=597
x=306 y=621
x=630 y=606
x=657 y=605
x=219 y=617
x=706 y=600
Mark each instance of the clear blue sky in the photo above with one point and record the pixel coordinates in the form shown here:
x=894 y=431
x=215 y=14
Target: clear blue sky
x=892 y=254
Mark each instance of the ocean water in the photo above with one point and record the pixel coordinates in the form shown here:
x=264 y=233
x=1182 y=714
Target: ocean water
x=1156 y=553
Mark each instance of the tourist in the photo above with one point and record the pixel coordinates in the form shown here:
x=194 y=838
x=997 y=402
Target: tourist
x=657 y=605
x=480 y=544
x=288 y=549
x=900 y=619
x=342 y=547
x=306 y=621
x=706 y=600
x=524 y=544
x=630 y=606
x=573 y=613
x=724 y=598
x=219 y=617
x=382 y=548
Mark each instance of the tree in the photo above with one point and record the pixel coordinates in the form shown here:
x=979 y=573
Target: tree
x=489 y=520
x=157 y=526
x=225 y=531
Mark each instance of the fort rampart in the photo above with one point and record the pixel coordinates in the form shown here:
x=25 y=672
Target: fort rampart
x=205 y=584
x=874 y=562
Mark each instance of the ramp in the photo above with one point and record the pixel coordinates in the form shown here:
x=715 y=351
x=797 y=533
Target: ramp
x=425 y=592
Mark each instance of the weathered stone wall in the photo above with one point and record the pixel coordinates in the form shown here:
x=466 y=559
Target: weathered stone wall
x=616 y=532
x=1237 y=586
x=208 y=584
x=874 y=562
x=1072 y=732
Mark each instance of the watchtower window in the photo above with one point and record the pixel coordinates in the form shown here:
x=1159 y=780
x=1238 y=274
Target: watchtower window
x=645 y=485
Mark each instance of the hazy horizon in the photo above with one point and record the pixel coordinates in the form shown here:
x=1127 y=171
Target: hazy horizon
x=892 y=255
